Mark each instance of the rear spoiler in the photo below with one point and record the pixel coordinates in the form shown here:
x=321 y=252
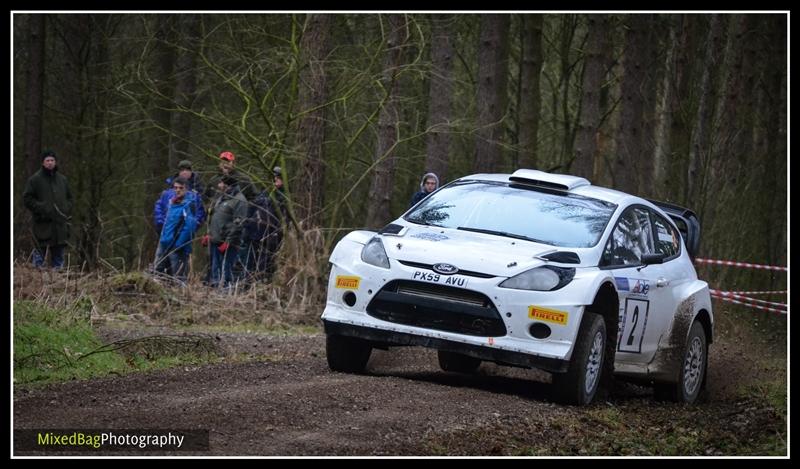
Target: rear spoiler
x=687 y=222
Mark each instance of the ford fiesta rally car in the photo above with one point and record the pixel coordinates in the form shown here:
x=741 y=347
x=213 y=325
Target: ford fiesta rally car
x=534 y=270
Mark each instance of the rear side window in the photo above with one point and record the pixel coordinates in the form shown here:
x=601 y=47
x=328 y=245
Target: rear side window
x=667 y=238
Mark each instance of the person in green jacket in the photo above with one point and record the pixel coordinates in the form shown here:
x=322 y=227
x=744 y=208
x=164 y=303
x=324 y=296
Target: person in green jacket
x=228 y=213
x=49 y=200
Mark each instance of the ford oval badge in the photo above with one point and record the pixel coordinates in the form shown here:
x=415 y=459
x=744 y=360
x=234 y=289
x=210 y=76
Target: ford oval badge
x=445 y=269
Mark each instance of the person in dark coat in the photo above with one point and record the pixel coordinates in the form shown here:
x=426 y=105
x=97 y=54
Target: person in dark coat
x=49 y=200
x=430 y=182
x=253 y=254
x=263 y=231
x=278 y=217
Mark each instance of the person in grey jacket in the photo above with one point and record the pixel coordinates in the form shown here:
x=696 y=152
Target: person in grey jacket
x=429 y=183
x=228 y=212
x=49 y=200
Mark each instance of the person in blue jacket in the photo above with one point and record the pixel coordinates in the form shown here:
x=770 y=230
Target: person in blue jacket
x=194 y=185
x=180 y=223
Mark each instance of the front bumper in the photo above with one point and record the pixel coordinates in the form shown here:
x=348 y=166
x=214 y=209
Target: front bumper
x=395 y=338
x=511 y=343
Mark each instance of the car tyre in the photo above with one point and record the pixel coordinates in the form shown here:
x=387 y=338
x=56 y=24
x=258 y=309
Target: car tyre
x=579 y=385
x=347 y=354
x=693 y=367
x=457 y=362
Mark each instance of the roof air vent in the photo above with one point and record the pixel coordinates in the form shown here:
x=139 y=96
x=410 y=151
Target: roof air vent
x=548 y=180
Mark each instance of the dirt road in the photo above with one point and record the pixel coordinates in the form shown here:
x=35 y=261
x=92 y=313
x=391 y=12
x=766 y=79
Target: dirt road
x=285 y=401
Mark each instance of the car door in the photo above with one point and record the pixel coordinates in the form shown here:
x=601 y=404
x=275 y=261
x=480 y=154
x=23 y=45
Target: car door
x=645 y=295
x=673 y=272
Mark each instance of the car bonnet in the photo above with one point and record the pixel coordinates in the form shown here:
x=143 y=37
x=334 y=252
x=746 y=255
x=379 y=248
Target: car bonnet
x=477 y=252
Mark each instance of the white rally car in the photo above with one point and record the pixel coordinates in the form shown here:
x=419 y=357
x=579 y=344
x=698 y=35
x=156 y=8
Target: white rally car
x=535 y=270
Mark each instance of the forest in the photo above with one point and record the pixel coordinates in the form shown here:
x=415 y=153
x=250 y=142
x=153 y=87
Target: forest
x=685 y=108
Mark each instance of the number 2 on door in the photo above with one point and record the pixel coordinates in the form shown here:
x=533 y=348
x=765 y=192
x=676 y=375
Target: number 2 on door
x=633 y=324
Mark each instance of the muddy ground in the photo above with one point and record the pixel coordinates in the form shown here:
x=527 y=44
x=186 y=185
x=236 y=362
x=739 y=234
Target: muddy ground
x=275 y=395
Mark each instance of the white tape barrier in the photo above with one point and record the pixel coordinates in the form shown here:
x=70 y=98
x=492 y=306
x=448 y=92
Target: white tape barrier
x=760 y=292
x=764 y=308
x=730 y=294
x=742 y=264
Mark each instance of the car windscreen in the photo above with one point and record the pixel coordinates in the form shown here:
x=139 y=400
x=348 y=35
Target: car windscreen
x=548 y=217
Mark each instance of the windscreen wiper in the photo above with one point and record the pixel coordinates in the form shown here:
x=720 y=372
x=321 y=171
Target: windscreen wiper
x=500 y=233
x=419 y=221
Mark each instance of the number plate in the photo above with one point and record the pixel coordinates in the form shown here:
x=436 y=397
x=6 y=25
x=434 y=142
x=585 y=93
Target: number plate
x=433 y=277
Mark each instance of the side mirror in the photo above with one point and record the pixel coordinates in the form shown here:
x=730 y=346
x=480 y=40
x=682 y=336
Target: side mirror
x=649 y=259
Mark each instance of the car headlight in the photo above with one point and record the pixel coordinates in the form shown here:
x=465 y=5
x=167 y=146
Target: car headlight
x=374 y=254
x=544 y=278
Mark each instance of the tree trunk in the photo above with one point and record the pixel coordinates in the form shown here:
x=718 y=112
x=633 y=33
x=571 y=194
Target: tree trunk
x=83 y=97
x=589 y=119
x=313 y=94
x=440 y=113
x=380 y=191
x=735 y=104
x=774 y=219
x=610 y=92
x=664 y=111
x=530 y=94
x=492 y=91
x=569 y=27
x=74 y=32
x=649 y=91
x=630 y=145
x=699 y=147
x=159 y=150
x=97 y=85
x=185 y=91
x=680 y=107
x=34 y=94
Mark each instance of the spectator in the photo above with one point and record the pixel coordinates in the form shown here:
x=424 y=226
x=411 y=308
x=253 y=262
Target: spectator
x=430 y=182
x=259 y=223
x=49 y=200
x=278 y=218
x=227 y=167
x=227 y=214
x=194 y=185
x=180 y=223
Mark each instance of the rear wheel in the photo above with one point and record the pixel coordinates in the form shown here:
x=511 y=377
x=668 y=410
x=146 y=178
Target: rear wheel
x=458 y=363
x=347 y=354
x=579 y=384
x=693 y=370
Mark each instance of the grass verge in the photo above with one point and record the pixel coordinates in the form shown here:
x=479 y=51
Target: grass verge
x=54 y=344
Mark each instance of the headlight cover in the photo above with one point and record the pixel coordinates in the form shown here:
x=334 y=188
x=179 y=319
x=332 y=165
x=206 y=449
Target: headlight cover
x=545 y=278
x=374 y=253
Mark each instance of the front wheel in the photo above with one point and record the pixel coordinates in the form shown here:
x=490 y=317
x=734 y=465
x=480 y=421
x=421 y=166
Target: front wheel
x=347 y=354
x=693 y=370
x=579 y=384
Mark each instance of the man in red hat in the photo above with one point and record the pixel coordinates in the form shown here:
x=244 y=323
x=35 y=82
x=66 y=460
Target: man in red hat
x=234 y=178
x=226 y=167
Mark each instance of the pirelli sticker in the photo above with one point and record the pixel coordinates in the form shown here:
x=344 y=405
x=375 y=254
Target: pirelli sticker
x=548 y=315
x=348 y=281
